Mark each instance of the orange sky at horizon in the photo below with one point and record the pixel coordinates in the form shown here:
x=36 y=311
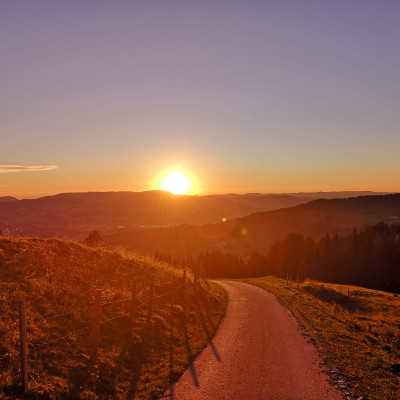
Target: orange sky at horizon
x=297 y=97
x=43 y=183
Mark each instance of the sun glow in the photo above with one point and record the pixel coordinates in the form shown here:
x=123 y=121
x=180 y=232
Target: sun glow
x=176 y=182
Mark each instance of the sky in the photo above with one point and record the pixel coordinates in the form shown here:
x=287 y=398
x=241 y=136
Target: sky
x=246 y=96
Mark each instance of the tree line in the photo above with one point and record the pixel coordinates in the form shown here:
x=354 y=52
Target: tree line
x=370 y=258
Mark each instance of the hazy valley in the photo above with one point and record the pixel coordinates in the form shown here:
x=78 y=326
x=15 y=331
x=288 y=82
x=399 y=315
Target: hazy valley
x=73 y=215
x=257 y=231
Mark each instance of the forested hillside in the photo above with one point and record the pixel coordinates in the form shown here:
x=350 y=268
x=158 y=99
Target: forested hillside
x=256 y=232
x=370 y=258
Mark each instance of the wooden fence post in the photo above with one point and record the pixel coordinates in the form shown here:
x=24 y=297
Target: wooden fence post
x=298 y=283
x=95 y=336
x=183 y=285
x=172 y=310
x=133 y=303
x=184 y=278
x=290 y=280
x=23 y=346
x=151 y=297
x=287 y=279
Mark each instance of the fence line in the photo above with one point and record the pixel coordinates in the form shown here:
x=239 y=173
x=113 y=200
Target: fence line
x=75 y=310
x=141 y=306
x=115 y=302
x=350 y=293
x=94 y=326
x=169 y=293
x=114 y=318
x=43 y=344
x=23 y=345
x=140 y=293
x=73 y=313
x=162 y=284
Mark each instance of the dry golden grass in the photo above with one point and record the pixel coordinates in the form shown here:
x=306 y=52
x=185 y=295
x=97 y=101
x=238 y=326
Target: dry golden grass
x=358 y=335
x=55 y=277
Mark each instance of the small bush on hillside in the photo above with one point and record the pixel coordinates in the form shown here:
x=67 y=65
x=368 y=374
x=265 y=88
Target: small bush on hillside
x=94 y=239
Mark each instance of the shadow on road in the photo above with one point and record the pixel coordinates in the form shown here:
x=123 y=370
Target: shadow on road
x=204 y=320
x=209 y=337
x=190 y=356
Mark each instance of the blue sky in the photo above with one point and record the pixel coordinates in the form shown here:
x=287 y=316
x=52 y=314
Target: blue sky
x=249 y=96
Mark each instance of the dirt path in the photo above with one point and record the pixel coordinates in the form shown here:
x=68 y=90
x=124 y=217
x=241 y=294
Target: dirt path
x=257 y=353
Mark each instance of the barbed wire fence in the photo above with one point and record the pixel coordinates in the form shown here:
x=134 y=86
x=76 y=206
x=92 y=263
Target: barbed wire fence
x=91 y=320
x=343 y=289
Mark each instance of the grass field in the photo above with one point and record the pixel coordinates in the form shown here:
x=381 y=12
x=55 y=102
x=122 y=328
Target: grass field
x=58 y=279
x=358 y=335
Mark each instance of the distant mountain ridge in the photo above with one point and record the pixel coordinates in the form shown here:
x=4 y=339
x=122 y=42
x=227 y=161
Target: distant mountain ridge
x=7 y=199
x=336 y=195
x=257 y=231
x=73 y=215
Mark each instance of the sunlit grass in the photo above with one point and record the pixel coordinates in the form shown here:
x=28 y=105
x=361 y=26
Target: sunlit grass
x=54 y=277
x=359 y=336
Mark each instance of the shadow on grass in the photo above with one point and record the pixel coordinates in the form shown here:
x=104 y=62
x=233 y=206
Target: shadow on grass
x=101 y=378
x=104 y=378
x=150 y=338
x=327 y=295
x=173 y=375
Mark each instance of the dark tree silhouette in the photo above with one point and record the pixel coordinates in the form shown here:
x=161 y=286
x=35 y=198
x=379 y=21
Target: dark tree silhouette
x=370 y=258
x=94 y=239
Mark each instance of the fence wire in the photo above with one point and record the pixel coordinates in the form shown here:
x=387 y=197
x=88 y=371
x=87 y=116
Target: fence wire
x=162 y=284
x=43 y=344
x=145 y=293
x=116 y=301
x=143 y=304
x=73 y=313
x=114 y=318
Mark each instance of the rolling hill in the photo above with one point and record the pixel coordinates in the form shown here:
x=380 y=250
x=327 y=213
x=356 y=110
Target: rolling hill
x=58 y=280
x=256 y=232
x=73 y=215
x=336 y=195
x=7 y=199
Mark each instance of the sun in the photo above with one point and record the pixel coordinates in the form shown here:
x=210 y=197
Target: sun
x=176 y=182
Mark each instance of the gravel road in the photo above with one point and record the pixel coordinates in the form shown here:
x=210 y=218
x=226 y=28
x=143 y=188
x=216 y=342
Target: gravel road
x=259 y=352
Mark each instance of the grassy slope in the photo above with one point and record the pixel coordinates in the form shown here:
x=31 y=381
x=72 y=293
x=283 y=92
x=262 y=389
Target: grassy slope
x=55 y=277
x=358 y=336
